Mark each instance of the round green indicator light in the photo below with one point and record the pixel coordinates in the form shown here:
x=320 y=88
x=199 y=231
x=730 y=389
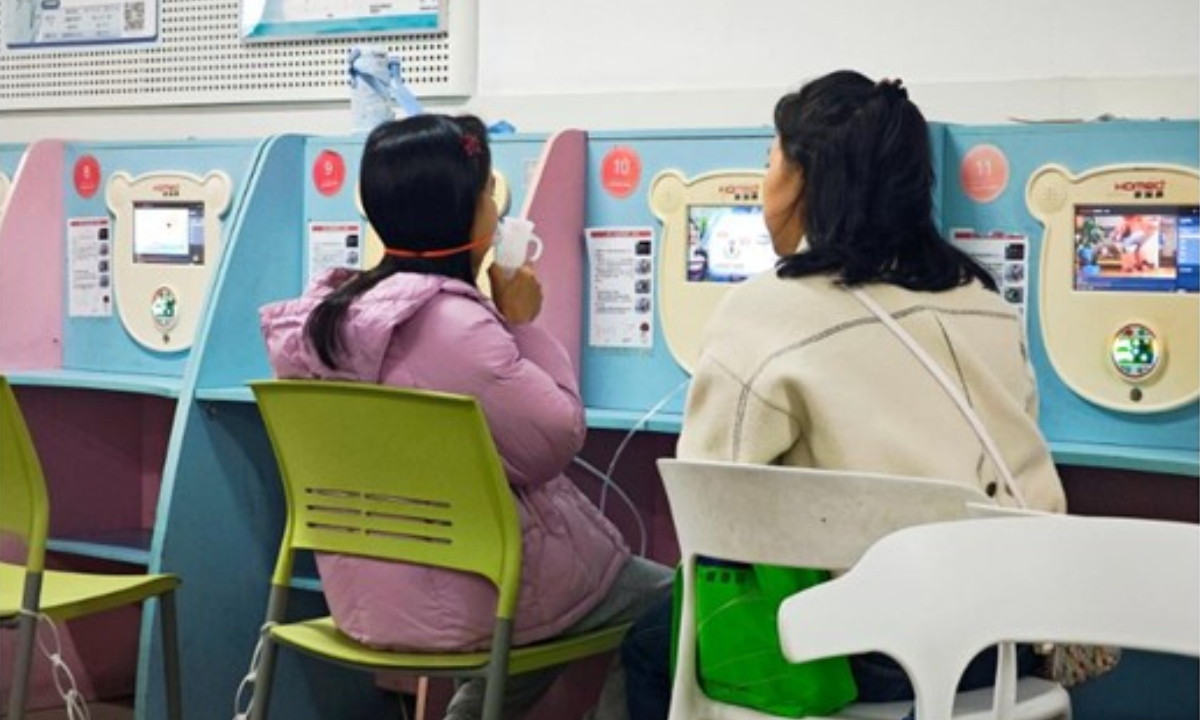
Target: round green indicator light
x=1135 y=351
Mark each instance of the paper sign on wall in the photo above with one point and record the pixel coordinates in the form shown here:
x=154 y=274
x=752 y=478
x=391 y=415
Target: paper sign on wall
x=621 y=307
x=333 y=244
x=89 y=267
x=1004 y=256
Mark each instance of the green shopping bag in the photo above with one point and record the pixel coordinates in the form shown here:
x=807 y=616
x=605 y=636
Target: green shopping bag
x=738 y=658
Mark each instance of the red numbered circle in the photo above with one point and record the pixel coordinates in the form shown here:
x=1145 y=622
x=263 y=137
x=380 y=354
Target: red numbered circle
x=620 y=172
x=984 y=173
x=87 y=176
x=329 y=172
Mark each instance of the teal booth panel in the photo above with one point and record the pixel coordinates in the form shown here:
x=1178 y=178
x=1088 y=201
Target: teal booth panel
x=102 y=344
x=263 y=262
x=1067 y=419
x=621 y=385
x=102 y=408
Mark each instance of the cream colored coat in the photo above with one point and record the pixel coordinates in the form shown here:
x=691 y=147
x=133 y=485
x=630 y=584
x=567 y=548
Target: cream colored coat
x=798 y=372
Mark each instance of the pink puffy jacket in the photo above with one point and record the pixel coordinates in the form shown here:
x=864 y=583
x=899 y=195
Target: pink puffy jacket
x=435 y=333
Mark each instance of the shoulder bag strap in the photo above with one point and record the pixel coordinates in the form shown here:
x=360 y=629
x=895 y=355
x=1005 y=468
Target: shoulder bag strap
x=951 y=387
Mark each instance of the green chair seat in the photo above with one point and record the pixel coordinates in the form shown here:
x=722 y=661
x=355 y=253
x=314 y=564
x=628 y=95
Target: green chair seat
x=68 y=595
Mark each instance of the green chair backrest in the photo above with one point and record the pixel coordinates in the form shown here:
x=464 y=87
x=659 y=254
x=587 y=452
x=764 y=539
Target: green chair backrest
x=392 y=474
x=24 y=507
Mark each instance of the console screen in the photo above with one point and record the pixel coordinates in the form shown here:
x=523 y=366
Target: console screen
x=727 y=243
x=1137 y=248
x=169 y=233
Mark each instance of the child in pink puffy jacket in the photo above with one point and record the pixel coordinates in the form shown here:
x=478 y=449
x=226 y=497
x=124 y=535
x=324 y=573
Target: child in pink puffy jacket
x=418 y=320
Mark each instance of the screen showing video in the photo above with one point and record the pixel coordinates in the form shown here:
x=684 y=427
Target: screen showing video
x=727 y=243
x=168 y=233
x=1137 y=248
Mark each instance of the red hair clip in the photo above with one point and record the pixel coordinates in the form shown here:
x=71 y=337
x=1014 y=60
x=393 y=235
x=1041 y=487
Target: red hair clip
x=471 y=145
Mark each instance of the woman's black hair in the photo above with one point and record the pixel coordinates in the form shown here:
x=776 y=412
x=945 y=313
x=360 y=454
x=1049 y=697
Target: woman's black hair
x=419 y=182
x=868 y=187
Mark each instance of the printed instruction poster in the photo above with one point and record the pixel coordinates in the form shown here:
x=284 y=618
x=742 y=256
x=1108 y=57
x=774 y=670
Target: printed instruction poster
x=333 y=244
x=38 y=23
x=621 y=302
x=89 y=267
x=1004 y=255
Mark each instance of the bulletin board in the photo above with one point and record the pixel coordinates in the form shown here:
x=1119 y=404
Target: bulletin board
x=200 y=58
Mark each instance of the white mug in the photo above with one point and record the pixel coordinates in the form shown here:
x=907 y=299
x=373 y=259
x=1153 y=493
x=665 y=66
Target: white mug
x=516 y=244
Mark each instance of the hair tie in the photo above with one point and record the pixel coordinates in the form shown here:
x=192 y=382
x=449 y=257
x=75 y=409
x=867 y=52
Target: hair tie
x=471 y=145
x=893 y=88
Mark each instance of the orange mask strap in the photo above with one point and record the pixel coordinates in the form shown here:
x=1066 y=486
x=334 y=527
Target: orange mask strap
x=443 y=252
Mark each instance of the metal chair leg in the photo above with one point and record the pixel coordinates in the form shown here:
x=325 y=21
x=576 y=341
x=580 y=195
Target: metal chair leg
x=497 y=672
x=19 y=691
x=265 y=672
x=26 y=635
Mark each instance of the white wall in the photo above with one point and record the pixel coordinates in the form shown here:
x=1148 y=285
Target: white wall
x=625 y=64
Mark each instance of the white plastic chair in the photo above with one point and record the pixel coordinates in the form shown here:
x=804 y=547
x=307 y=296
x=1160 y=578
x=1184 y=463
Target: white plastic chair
x=955 y=588
x=801 y=517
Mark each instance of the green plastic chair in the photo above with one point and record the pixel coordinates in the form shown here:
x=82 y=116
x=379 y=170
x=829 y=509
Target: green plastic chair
x=403 y=475
x=28 y=590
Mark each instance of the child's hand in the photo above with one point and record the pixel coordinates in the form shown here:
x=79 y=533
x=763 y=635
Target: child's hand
x=518 y=296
